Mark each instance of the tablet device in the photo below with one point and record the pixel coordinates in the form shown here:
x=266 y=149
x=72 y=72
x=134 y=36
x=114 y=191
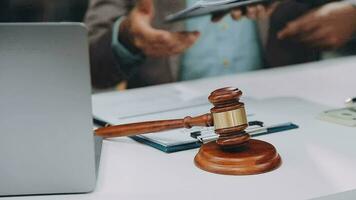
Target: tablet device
x=206 y=7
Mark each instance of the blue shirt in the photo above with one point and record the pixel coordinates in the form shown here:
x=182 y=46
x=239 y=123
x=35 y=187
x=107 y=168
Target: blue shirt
x=226 y=47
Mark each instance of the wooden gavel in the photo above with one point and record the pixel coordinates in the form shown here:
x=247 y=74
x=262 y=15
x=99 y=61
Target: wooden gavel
x=234 y=153
x=228 y=116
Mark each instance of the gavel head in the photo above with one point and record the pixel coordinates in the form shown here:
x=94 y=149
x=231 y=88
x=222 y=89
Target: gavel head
x=229 y=117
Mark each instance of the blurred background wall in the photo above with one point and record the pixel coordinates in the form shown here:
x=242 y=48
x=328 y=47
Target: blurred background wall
x=42 y=10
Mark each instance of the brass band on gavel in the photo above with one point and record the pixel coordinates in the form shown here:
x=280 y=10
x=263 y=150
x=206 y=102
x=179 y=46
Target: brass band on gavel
x=228 y=119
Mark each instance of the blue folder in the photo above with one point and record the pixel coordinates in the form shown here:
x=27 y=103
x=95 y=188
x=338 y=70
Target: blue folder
x=197 y=143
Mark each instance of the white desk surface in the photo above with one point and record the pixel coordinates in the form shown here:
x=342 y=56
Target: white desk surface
x=130 y=170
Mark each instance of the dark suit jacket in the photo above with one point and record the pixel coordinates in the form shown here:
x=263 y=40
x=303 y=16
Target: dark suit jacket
x=287 y=52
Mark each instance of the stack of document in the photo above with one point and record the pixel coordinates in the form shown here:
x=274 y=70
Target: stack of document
x=116 y=108
x=205 y=7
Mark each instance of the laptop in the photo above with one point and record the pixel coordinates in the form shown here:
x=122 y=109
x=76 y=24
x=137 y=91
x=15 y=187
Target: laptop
x=47 y=144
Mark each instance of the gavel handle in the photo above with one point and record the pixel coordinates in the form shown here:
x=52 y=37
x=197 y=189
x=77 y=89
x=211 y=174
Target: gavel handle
x=154 y=126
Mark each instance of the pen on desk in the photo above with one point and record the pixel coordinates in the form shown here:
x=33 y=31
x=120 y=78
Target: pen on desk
x=350 y=102
x=209 y=138
x=258 y=131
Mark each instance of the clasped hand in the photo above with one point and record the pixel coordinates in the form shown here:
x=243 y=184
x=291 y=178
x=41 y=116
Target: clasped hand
x=137 y=34
x=327 y=27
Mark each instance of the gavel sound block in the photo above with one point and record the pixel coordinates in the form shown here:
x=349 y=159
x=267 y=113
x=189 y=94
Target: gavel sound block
x=234 y=153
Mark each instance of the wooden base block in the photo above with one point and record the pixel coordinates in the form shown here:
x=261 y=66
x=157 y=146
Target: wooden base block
x=254 y=158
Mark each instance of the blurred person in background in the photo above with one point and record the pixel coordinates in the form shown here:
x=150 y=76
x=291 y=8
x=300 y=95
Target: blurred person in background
x=130 y=41
x=303 y=30
x=330 y=28
x=297 y=33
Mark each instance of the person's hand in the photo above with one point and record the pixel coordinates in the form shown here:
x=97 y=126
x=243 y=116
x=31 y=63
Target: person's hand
x=255 y=12
x=328 y=27
x=137 y=34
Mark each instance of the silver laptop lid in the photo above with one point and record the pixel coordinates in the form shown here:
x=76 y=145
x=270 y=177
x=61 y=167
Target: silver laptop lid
x=46 y=143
